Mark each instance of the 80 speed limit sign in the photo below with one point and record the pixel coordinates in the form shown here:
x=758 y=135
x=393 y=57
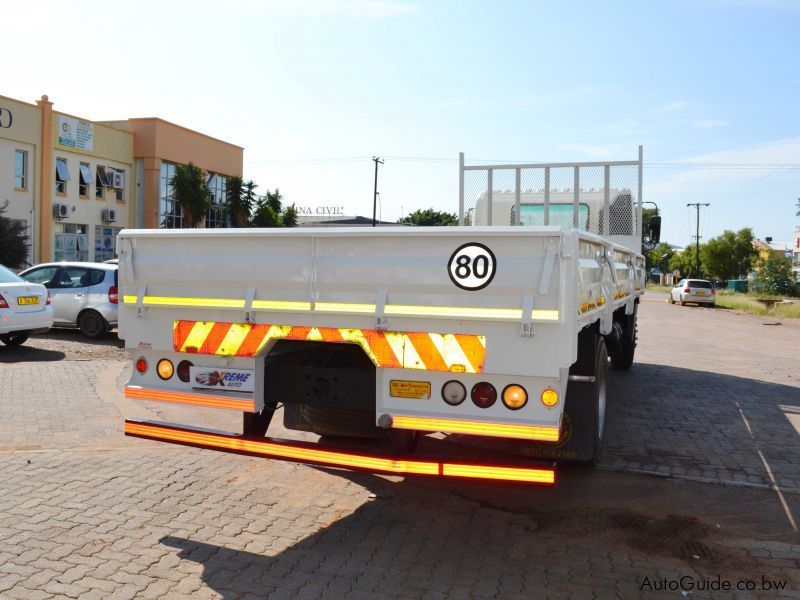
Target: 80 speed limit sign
x=472 y=266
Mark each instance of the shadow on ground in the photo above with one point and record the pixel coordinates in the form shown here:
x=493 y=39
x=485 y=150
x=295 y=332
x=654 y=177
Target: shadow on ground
x=15 y=354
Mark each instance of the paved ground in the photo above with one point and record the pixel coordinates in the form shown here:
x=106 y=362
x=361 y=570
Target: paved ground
x=85 y=512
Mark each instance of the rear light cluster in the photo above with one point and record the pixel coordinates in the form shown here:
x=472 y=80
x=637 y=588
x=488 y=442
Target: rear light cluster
x=3 y=303
x=484 y=395
x=687 y=290
x=113 y=295
x=49 y=299
x=165 y=368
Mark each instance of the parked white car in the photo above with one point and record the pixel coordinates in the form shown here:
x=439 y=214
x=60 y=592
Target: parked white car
x=84 y=294
x=24 y=308
x=697 y=291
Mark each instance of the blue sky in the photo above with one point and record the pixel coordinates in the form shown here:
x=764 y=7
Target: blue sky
x=313 y=89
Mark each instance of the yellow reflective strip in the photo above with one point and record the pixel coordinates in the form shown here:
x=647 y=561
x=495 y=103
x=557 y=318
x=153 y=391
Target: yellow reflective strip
x=280 y=305
x=129 y=299
x=344 y=307
x=398 y=344
x=197 y=335
x=543 y=315
x=233 y=339
x=207 y=302
x=274 y=332
x=453 y=311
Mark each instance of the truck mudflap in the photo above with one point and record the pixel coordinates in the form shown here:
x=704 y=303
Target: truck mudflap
x=306 y=452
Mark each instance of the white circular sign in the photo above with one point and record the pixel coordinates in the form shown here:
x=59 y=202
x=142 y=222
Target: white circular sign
x=472 y=266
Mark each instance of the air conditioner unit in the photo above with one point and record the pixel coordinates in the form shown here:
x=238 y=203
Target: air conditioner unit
x=109 y=215
x=60 y=211
x=117 y=180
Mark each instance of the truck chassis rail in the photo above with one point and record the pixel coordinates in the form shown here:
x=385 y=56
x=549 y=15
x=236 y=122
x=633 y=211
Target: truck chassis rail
x=305 y=452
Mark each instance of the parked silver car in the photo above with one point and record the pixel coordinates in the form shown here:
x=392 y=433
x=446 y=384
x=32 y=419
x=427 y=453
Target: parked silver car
x=83 y=294
x=698 y=291
x=24 y=309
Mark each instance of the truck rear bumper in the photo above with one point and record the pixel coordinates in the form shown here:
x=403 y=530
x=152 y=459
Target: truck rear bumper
x=311 y=453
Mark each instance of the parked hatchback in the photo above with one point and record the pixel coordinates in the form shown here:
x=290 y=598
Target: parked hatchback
x=83 y=294
x=24 y=309
x=698 y=291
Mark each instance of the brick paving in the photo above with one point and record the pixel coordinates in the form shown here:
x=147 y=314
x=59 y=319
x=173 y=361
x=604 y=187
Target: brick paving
x=87 y=513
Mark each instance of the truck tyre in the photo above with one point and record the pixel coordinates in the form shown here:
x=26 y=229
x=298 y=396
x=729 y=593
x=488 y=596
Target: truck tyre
x=622 y=358
x=92 y=324
x=13 y=339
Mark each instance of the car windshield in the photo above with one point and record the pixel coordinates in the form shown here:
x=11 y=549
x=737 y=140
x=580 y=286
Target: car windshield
x=7 y=276
x=699 y=284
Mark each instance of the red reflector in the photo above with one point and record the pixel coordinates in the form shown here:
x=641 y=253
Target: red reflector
x=183 y=370
x=113 y=296
x=141 y=365
x=484 y=394
x=3 y=303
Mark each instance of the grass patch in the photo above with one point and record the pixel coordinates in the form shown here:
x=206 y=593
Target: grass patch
x=750 y=304
x=655 y=287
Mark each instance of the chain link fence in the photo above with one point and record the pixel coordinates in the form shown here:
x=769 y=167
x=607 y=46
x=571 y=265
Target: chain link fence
x=600 y=197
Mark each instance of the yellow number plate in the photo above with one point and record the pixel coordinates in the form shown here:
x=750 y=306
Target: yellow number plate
x=420 y=390
x=700 y=293
x=28 y=300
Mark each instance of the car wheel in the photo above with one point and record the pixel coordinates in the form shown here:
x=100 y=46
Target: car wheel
x=91 y=324
x=682 y=302
x=13 y=339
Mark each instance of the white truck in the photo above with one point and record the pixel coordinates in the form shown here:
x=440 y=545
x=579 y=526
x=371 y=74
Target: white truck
x=372 y=338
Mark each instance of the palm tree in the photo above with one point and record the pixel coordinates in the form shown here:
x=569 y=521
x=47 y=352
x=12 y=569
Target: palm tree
x=273 y=200
x=289 y=216
x=191 y=192
x=237 y=202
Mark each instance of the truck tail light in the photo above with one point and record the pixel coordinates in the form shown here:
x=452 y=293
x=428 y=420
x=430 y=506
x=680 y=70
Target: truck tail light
x=549 y=397
x=113 y=295
x=141 y=365
x=3 y=303
x=483 y=394
x=454 y=392
x=183 y=370
x=165 y=369
x=514 y=396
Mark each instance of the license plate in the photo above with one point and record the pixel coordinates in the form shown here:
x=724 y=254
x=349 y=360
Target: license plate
x=420 y=390
x=24 y=300
x=700 y=293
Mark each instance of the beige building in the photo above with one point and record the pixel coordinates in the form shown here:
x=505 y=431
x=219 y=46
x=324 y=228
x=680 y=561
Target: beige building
x=75 y=183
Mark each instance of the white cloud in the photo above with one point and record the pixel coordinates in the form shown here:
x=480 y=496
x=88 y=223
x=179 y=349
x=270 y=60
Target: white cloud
x=710 y=124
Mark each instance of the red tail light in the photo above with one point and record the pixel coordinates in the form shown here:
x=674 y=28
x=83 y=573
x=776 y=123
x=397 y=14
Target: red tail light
x=113 y=296
x=49 y=299
x=713 y=291
x=183 y=370
x=3 y=303
x=687 y=290
x=484 y=394
x=141 y=365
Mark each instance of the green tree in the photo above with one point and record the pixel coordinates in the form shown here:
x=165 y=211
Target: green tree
x=659 y=257
x=13 y=243
x=289 y=216
x=237 y=202
x=264 y=216
x=428 y=218
x=774 y=275
x=275 y=201
x=249 y=198
x=729 y=255
x=684 y=261
x=191 y=193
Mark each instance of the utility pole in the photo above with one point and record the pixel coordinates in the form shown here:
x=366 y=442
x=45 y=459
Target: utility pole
x=377 y=162
x=697 y=205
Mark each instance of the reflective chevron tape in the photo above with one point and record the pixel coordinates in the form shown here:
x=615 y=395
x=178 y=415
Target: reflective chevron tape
x=463 y=353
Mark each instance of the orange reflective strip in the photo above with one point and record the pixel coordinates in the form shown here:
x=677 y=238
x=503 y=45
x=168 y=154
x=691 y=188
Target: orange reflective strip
x=214 y=338
x=427 y=351
x=330 y=334
x=252 y=341
x=501 y=473
x=473 y=349
x=381 y=349
x=180 y=332
x=288 y=450
x=141 y=393
x=298 y=333
x=524 y=432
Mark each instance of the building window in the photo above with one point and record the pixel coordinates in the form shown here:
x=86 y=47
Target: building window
x=100 y=182
x=105 y=242
x=169 y=211
x=20 y=170
x=72 y=243
x=85 y=180
x=62 y=175
x=217 y=215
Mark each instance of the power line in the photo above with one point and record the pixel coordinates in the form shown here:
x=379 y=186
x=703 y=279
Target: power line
x=697 y=205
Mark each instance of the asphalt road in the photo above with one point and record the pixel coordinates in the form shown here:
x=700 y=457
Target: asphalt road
x=699 y=480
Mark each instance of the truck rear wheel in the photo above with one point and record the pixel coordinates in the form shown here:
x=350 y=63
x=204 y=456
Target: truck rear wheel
x=622 y=357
